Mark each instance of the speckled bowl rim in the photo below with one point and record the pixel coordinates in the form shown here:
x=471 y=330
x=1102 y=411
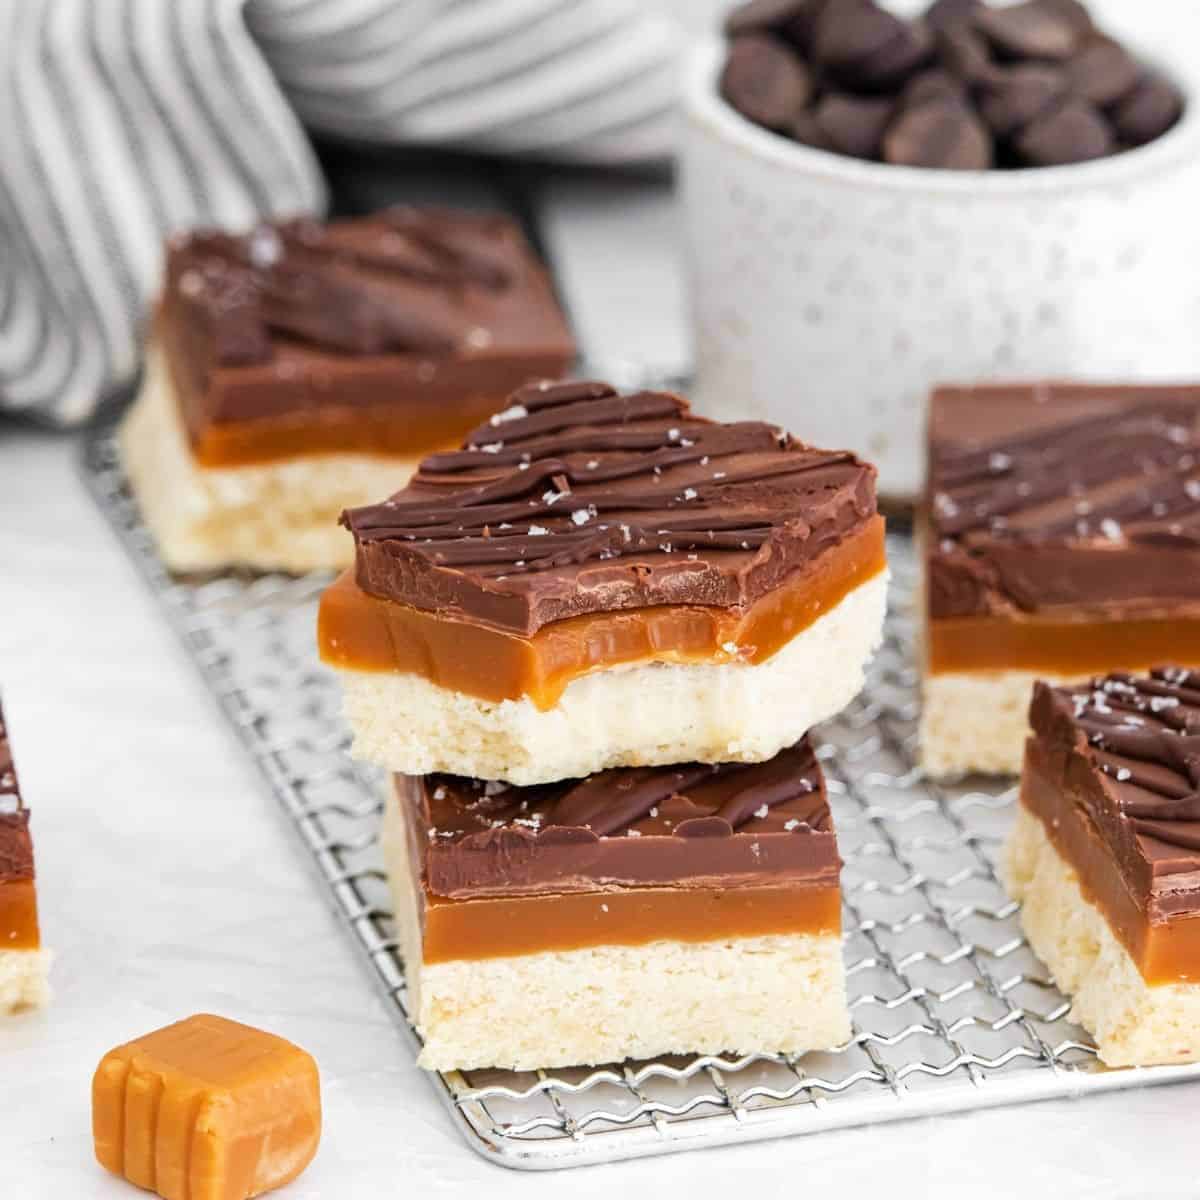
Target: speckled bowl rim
x=705 y=109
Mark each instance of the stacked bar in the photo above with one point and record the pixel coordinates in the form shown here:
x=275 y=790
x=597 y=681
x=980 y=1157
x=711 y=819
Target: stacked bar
x=636 y=912
x=590 y=645
x=304 y=368
x=1105 y=857
x=23 y=963
x=1062 y=540
x=599 y=580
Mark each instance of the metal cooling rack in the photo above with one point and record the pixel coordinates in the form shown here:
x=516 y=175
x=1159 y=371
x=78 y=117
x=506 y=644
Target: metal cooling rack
x=951 y=1010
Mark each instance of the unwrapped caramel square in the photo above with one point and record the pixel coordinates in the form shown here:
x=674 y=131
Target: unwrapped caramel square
x=207 y=1109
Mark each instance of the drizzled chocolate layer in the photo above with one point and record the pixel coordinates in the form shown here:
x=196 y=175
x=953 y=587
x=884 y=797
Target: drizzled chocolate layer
x=576 y=500
x=406 y=310
x=729 y=826
x=1140 y=737
x=1054 y=498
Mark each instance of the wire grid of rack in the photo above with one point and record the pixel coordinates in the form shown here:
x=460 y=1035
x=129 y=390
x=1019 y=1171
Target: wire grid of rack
x=951 y=1010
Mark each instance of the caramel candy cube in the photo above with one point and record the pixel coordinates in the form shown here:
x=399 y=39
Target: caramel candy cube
x=207 y=1109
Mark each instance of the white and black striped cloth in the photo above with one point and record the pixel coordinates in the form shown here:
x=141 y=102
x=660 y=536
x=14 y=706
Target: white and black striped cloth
x=124 y=120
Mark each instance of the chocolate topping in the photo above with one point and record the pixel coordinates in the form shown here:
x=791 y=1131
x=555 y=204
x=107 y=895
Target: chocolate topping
x=1070 y=497
x=729 y=825
x=16 y=848
x=1129 y=750
x=321 y=285
x=270 y=321
x=965 y=85
x=575 y=499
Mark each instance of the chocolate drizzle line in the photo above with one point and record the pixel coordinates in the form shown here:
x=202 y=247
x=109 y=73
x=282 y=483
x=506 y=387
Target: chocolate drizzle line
x=317 y=283
x=1144 y=736
x=574 y=473
x=16 y=848
x=1119 y=476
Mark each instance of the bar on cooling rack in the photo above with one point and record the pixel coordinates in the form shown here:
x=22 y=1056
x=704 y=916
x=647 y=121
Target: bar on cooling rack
x=301 y=368
x=23 y=963
x=1062 y=541
x=1105 y=858
x=601 y=580
x=637 y=912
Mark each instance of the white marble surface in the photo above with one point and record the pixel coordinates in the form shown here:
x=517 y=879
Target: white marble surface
x=169 y=885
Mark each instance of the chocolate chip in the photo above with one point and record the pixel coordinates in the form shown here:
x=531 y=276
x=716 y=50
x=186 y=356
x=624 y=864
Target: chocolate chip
x=1148 y=111
x=965 y=53
x=806 y=130
x=1103 y=72
x=850 y=33
x=910 y=49
x=791 y=19
x=942 y=13
x=936 y=83
x=968 y=84
x=1072 y=132
x=764 y=80
x=942 y=133
x=763 y=16
x=854 y=125
x=1018 y=94
x=1034 y=29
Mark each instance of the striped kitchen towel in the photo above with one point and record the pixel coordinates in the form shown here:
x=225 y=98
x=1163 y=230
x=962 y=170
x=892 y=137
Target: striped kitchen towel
x=126 y=120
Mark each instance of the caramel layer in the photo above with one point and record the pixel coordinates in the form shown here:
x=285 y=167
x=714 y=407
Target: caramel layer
x=395 y=414
x=1164 y=951
x=503 y=926
x=1059 y=647
x=388 y=434
x=18 y=915
x=366 y=633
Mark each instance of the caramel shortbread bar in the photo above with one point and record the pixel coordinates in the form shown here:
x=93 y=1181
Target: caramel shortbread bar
x=23 y=962
x=637 y=912
x=1062 y=540
x=600 y=580
x=301 y=368
x=1105 y=858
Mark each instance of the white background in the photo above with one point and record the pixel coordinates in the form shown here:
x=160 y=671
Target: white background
x=169 y=883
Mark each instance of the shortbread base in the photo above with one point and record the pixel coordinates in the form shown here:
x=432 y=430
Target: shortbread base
x=783 y=993
x=277 y=516
x=1133 y=1023
x=977 y=721
x=638 y=715
x=23 y=979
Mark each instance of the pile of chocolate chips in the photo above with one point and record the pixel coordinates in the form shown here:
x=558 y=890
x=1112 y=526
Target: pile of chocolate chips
x=967 y=85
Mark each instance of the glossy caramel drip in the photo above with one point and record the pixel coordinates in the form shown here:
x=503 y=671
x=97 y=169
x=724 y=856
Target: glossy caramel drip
x=363 y=632
x=510 y=925
x=18 y=915
x=1058 y=647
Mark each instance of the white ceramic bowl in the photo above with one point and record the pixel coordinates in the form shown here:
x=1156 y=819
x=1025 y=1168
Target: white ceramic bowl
x=830 y=294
